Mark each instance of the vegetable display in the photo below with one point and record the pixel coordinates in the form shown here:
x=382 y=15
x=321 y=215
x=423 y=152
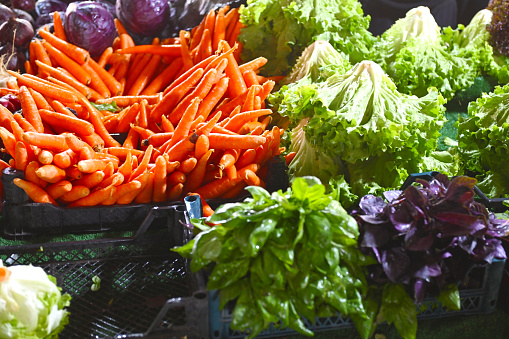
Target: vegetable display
x=280 y=30
x=483 y=141
x=425 y=239
x=32 y=304
x=283 y=256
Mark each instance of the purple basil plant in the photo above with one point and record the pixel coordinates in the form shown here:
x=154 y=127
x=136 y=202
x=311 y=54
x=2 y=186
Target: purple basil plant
x=429 y=235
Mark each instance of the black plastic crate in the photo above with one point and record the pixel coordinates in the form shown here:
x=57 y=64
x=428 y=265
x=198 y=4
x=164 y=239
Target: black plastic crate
x=146 y=290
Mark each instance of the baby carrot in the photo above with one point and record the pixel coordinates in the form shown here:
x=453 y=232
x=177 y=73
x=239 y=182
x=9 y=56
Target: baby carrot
x=105 y=56
x=45 y=88
x=50 y=173
x=237 y=121
x=201 y=146
x=77 y=192
x=195 y=177
x=181 y=149
x=23 y=123
x=164 y=78
x=90 y=180
x=166 y=124
x=70 y=123
x=91 y=165
x=253 y=65
x=237 y=85
x=213 y=97
x=58 y=189
x=175 y=192
x=34 y=192
x=129 y=197
x=122 y=152
x=187 y=165
x=127 y=118
x=145 y=195
x=219 y=29
x=73 y=172
x=122 y=190
x=185 y=122
x=45 y=157
x=52 y=142
x=96 y=82
x=69 y=64
x=224 y=141
x=30 y=175
x=64 y=159
x=114 y=87
x=20 y=155
x=41 y=56
x=94 y=198
x=58 y=26
x=144 y=162
x=159 y=192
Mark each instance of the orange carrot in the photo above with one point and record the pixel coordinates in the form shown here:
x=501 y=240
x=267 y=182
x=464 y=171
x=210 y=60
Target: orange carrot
x=166 y=124
x=115 y=179
x=175 y=192
x=237 y=83
x=237 y=121
x=77 y=192
x=246 y=158
x=30 y=175
x=40 y=100
x=201 y=146
x=91 y=165
x=58 y=26
x=170 y=100
x=40 y=55
x=129 y=197
x=34 y=192
x=58 y=189
x=9 y=141
x=29 y=108
x=164 y=78
x=94 y=198
x=73 y=172
x=204 y=49
x=127 y=118
x=95 y=119
x=127 y=167
x=159 y=193
x=213 y=97
x=184 y=76
x=122 y=190
x=223 y=141
x=105 y=56
x=250 y=78
x=169 y=50
x=60 y=108
x=69 y=64
x=181 y=149
x=239 y=100
x=90 y=180
x=187 y=61
x=228 y=158
x=125 y=100
x=145 y=195
x=157 y=139
x=175 y=178
x=114 y=87
x=52 y=142
x=137 y=66
x=195 y=177
x=20 y=156
x=70 y=123
x=77 y=54
x=184 y=124
x=251 y=179
x=45 y=157
x=187 y=165
x=121 y=152
x=253 y=65
x=52 y=91
x=144 y=162
x=65 y=159
x=219 y=29
x=96 y=82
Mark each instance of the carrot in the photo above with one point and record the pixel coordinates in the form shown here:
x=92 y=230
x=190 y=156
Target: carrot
x=172 y=98
x=233 y=38
x=94 y=198
x=70 y=123
x=187 y=61
x=31 y=58
x=91 y=165
x=164 y=78
x=253 y=65
x=246 y=158
x=58 y=26
x=166 y=124
x=114 y=87
x=228 y=158
x=52 y=142
x=40 y=55
x=121 y=152
x=115 y=179
x=17 y=131
x=144 y=162
x=132 y=139
x=125 y=100
x=60 y=108
x=34 y=192
x=231 y=172
x=142 y=119
x=184 y=124
x=176 y=177
x=251 y=179
x=250 y=78
x=69 y=64
x=157 y=139
x=237 y=85
x=73 y=172
x=45 y=157
x=65 y=77
x=137 y=66
x=144 y=133
x=30 y=175
x=48 y=89
x=58 y=189
x=122 y=190
x=201 y=91
x=96 y=82
x=126 y=41
x=108 y=158
x=184 y=76
x=231 y=17
x=219 y=29
x=50 y=173
x=223 y=141
x=23 y=123
x=127 y=118
x=159 y=192
x=204 y=49
x=9 y=141
x=90 y=180
x=129 y=197
x=73 y=142
x=175 y=192
x=95 y=119
x=266 y=89
x=65 y=159
x=77 y=54
x=6 y=117
x=201 y=146
x=187 y=165
x=120 y=28
x=215 y=188
x=195 y=177
x=145 y=195
x=237 y=121
x=167 y=50
x=239 y=100
x=77 y=192
x=105 y=56
x=213 y=97
x=235 y=191
x=29 y=108
x=207 y=211
x=20 y=156
x=181 y=149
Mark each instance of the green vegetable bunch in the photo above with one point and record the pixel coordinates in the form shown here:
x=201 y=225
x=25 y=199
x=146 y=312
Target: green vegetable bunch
x=483 y=141
x=281 y=29
x=414 y=54
x=283 y=256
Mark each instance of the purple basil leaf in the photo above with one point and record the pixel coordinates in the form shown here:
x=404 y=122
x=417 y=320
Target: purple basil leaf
x=436 y=188
x=390 y=196
x=417 y=239
x=372 y=219
x=376 y=235
x=419 y=291
x=415 y=196
x=461 y=190
x=497 y=227
x=402 y=216
x=395 y=263
x=428 y=271
x=491 y=248
x=468 y=244
x=371 y=204
x=457 y=224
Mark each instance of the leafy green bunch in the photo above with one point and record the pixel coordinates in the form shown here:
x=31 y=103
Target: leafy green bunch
x=283 y=256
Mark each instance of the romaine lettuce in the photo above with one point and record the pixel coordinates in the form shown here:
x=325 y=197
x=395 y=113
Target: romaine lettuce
x=31 y=304
x=281 y=29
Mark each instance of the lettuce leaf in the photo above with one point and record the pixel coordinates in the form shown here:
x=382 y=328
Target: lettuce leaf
x=414 y=54
x=281 y=29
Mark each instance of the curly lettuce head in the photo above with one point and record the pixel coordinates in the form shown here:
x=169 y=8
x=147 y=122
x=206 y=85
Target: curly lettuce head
x=483 y=141
x=281 y=29
x=31 y=304
x=414 y=54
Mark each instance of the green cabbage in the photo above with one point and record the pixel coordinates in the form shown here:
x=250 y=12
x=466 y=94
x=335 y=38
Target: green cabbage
x=483 y=141
x=281 y=29
x=414 y=54
x=31 y=304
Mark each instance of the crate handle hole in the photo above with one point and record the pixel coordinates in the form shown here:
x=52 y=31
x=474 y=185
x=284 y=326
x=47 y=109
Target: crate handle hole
x=200 y=295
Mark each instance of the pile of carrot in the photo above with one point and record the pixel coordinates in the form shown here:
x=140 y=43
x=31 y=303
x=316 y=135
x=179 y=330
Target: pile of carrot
x=195 y=120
